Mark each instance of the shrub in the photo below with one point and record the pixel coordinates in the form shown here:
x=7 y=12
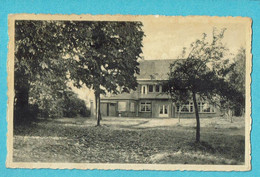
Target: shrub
x=73 y=106
x=51 y=108
x=65 y=105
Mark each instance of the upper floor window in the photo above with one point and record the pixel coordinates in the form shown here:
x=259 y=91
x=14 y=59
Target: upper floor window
x=157 y=88
x=143 y=89
x=164 y=88
x=150 y=88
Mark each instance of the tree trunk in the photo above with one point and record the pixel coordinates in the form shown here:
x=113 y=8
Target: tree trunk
x=98 y=112
x=21 y=105
x=197 y=117
x=179 y=120
x=230 y=115
x=179 y=112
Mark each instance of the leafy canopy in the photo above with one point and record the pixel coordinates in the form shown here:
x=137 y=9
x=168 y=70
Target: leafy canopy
x=107 y=60
x=40 y=73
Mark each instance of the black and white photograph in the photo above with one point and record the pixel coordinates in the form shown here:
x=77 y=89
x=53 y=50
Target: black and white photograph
x=129 y=92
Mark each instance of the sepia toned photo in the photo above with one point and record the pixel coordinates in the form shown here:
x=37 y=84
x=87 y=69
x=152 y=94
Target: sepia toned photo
x=129 y=92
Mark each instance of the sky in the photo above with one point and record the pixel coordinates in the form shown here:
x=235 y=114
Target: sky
x=166 y=36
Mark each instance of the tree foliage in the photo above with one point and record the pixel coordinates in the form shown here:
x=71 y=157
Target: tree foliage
x=232 y=98
x=40 y=73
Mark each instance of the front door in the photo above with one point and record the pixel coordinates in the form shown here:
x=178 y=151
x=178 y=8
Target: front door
x=163 y=111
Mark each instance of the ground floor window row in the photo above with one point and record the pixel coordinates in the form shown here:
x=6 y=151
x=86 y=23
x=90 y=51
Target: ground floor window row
x=146 y=106
x=203 y=107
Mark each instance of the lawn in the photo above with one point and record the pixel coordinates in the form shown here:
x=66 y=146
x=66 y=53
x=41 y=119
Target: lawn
x=130 y=140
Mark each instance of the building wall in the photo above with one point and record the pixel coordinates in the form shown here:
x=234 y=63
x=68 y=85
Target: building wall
x=122 y=108
x=108 y=109
x=103 y=109
x=128 y=111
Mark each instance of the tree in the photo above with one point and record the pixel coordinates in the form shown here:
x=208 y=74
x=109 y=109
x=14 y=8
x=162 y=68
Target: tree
x=198 y=76
x=233 y=96
x=40 y=71
x=107 y=59
x=237 y=80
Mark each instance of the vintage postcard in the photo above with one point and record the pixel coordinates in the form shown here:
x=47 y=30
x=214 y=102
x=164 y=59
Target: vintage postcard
x=129 y=92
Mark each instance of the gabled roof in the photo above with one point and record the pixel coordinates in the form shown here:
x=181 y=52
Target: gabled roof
x=154 y=69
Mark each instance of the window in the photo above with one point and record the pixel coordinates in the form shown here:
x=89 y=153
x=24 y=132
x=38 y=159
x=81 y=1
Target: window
x=150 y=88
x=132 y=107
x=143 y=89
x=121 y=106
x=165 y=109
x=200 y=106
x=185 y=108
x=164 y=88
x=188 y=107
x=145 y=107
x=157 y=88
x=205 y=107
x=161 y=109
x=191 y=106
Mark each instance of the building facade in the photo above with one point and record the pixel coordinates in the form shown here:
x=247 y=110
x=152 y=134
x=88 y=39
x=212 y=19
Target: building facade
x=149 y=99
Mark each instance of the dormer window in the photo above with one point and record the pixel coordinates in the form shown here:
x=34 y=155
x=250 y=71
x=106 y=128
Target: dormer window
x=150 y=88
x=157 y=88
x=144 y=89
x=164 y=88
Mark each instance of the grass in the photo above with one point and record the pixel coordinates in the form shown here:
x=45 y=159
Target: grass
x=122 y=140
